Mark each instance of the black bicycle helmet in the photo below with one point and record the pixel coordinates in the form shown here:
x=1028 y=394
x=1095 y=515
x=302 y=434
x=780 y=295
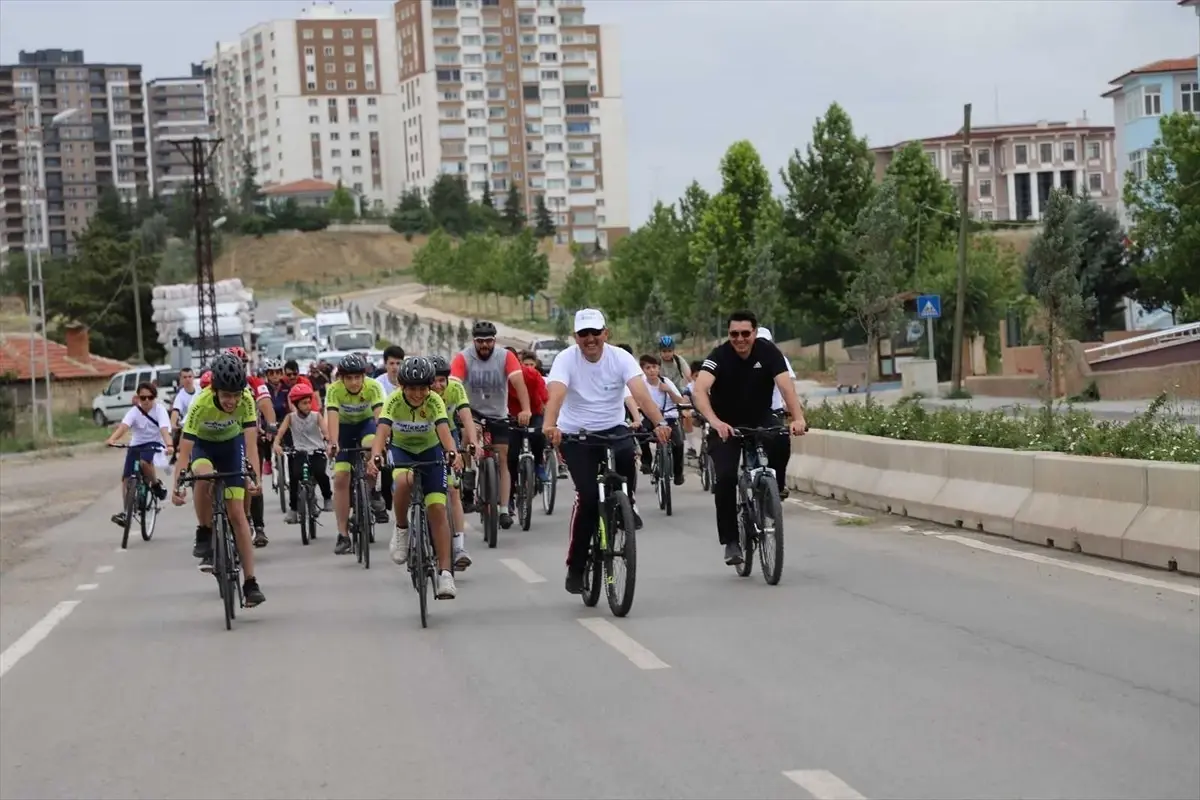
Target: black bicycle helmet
x=353 y=364
x=228 y=373
x=441 y=367
x=483 y=330
x=416 y=371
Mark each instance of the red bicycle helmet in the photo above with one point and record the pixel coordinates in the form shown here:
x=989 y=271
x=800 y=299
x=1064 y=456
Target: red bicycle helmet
x=206 y=379
x=239 y=352
x=299 y=392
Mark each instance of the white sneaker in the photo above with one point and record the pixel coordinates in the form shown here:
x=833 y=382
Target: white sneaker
x=446 y=590
x=462 y=559
x=398 y=549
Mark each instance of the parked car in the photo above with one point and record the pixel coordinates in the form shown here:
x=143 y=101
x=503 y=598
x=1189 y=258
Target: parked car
x=110 y=405
x=546 y=350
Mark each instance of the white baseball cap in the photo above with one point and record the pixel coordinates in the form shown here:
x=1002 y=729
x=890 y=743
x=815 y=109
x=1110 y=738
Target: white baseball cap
x=588 y=319
x=765 y=333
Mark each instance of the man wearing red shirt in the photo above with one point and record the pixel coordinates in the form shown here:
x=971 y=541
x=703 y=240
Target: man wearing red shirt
x=535 y=384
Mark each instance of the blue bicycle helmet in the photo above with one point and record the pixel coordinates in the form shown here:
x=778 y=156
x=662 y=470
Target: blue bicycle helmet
x=666 y=343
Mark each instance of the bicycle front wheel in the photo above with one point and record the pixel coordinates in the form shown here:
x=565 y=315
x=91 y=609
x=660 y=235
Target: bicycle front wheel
x=223 y=568
x=303 y=511
x=526 y=485
x=592 y=572
x=550 y=485
x=417 y=559
x=130 y=505
x=366 y=519
x=666 y=478
x=620 y=558
x=281 y=482
x=489 y=497
x=149 y=515
x=769 y=521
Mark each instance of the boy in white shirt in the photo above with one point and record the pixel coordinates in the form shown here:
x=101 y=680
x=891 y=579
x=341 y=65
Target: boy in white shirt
x=667 y=397
x=151 y=432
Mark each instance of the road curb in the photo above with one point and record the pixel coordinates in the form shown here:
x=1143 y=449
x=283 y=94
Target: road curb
x=1139 y=512
x=67 y=451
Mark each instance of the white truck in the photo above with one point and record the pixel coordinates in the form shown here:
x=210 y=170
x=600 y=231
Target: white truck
x=177 y=320
x=327 y=323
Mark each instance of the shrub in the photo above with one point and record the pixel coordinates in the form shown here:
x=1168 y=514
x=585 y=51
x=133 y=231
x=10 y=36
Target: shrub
x=1152 y=435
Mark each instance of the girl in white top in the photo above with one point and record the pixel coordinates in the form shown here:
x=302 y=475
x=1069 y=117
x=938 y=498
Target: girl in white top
x=151 y=433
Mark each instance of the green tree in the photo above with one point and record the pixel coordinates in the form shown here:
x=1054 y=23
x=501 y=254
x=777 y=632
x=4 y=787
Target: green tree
x=720 y=234
x=113 y=212
x=654 y=319
x=873 y=294
x=543 y=223
x=691 y=207
x=342 y=206
x=411 y=216
x=487 y=195
x=179 y=213
x=762 y=285
x=926 y=202
x=249 y=192
x=450 y=205
x=462 y=335
x=704 y=305
x=1054 y=258
x=432 y=263
x=1164 y=207
x=1105 y=274
x=827 y=189
x=526 y=270
x=579 y=289
x=478 y=266
x=654 y=249
x=513 y=215
x=745 y=179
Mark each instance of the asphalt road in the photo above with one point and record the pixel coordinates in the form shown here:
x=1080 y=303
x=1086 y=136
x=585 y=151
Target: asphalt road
x=887 y=664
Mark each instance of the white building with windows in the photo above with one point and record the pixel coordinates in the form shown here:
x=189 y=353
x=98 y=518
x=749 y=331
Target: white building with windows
x=315 y=97
x=517 y=93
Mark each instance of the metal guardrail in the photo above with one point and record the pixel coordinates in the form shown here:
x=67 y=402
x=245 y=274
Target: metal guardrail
x=1147 y=341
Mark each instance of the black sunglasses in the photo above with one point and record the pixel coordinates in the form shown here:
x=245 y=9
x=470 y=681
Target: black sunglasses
x=740 y=334
x=145 y=397
x=589 y=332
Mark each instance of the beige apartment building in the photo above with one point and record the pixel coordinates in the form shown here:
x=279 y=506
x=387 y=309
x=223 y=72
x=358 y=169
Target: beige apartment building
x=179 y=112
x=103 y=142
x=1016 y=167
x=517 y=92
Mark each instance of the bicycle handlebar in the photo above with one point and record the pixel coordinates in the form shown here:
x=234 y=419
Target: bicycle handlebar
x=213 y=476
x=126 y=445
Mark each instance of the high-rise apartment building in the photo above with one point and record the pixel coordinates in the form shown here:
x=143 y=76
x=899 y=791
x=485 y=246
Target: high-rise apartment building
x=516 y=92
x=102 y=142
x=179 y=111
x=308 y=98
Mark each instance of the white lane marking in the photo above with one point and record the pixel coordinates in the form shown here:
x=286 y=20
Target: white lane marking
x=522 y=570
x=86 y=587
x=822 y=784
x=121 y=550
x=1099 y=572
x=833 y=512
x=105 y=569
x=624 y=644
x=33 y=637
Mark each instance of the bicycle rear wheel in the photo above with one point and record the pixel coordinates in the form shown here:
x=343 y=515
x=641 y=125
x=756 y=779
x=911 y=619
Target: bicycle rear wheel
x=550 y=485
x=489 y=497
x=526 y=485
x=592 y=571
x=770 y=530
x=665 y=478
x=746 y=540
x=620 y=553
x=281 y=482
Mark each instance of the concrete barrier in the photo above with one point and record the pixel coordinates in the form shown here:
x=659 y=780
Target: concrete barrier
x=1144 y=512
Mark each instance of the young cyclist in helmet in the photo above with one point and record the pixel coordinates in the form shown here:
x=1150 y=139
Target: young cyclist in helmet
x=416 y=429
x=458 y=410
x=308 y=433
x=352 y=406
x=267 y=421
x=221 y=435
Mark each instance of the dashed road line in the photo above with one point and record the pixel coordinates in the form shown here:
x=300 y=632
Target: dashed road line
x=86 y=587
x=623 y=643
x=822 y=784
x=34 y=636
x=522 y=570
x=103 y=570
x=833 y=512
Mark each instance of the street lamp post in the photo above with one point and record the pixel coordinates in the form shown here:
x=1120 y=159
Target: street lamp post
x=39 y=348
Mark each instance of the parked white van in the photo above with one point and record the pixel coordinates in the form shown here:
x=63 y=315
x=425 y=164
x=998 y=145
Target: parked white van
x=110 y=405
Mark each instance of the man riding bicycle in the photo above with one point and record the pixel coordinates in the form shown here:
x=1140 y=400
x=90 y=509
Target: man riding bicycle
x=535 y=385
x=462 y=427
x=266 y=410
x=486 y=375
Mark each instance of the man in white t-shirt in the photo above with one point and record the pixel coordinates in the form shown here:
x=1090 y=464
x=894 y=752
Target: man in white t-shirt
x=151 y=433
x=183 y=401
x=587 y=386
x=779 y=451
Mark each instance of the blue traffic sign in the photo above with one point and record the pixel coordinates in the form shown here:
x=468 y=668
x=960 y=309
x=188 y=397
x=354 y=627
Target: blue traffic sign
x=929 y=306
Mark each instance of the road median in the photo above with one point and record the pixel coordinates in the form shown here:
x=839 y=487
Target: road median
x=1142 y=512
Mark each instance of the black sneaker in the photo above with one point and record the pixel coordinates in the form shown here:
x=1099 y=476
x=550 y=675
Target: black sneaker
x=342 y=547
x=203 y=546
x=733 y=554
x=574 y=584
x=251 y=594
x=160 y=491
x=260 y=537
x=505 y=520
x=206 y=563
x=118 y=519
x=637 y=519
x=783 y=493
x=679 y=480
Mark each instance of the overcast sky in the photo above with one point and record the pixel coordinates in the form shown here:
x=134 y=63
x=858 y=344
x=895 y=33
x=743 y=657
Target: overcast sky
x=701 y=74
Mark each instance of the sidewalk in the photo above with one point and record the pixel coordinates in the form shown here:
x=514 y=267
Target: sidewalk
x=407 y=301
